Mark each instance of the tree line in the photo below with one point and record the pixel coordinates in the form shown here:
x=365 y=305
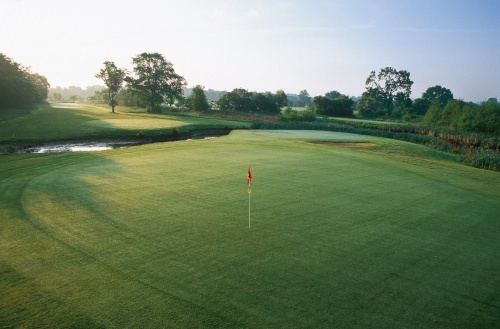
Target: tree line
x=460 y=115
x=154 y=82
x=19 y=87
x=387 y=95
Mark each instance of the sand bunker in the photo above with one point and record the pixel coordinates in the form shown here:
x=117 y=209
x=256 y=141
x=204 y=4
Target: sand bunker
x=345 y=144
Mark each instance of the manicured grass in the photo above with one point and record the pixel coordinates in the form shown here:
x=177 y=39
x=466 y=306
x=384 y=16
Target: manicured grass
x=157 y=236
x=74 y=121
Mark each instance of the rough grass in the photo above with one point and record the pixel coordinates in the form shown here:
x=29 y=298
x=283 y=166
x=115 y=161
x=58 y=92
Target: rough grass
x=157 y=236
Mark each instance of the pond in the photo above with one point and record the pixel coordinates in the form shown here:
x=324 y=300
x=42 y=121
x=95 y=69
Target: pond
x=89 y=146
x=82 y=146
x=105 y=144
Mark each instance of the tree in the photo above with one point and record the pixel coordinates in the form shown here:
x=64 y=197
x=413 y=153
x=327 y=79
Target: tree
x=443 y=95
x=156 y=80
x=467 y=116
x=113 y=77
x=19 y=87
x=369 y=105
x=421 y=106
x=333 y=94
x=238 y=100
x=433 y=114
x=266 y=103
x=281 y=98
x=57 y=97
x=304 y=98
x=338 y=107
x=197 y=101
x=128 y=98
x=40 y=87
x=389 y=84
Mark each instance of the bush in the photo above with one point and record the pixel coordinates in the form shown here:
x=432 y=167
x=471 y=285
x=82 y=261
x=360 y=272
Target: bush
x=483 y=158
x=290 y=115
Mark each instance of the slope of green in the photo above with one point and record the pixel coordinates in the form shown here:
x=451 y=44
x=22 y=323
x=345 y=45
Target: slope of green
x=74 y=121
x=388 y=236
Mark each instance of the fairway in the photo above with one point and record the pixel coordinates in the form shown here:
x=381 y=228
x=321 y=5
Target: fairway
x=68 y=121
x=394 y=235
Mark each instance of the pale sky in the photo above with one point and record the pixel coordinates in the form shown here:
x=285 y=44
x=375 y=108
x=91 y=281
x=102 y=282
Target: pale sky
x=264 y=45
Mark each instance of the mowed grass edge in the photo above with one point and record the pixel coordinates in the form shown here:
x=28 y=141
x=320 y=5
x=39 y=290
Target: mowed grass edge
x=158 y=235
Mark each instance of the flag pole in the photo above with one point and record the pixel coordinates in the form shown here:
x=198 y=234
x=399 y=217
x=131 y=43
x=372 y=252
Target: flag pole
x=249 y=181
x=249 y=193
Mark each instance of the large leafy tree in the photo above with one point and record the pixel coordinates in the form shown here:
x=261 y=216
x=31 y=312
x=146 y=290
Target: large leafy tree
x=113 y=78
x=389 y=85
x=443 y=95
x=19 y=87
x=155 y=80
x=40 y=87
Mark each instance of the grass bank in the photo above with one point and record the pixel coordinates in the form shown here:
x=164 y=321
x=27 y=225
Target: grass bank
x=78 y=121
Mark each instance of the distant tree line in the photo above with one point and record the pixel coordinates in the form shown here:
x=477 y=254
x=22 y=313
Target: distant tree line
x=387 y=95
x=242 y=100
x=465 y=116
x=19 y=87
x=211 y=95
x=59 y=94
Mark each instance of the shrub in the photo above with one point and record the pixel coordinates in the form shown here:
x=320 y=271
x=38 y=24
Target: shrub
x=290 y=115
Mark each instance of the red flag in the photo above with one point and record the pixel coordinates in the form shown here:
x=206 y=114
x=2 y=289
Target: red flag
x=249 y=177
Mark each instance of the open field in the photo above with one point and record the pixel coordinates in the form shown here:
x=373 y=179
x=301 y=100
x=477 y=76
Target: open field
x=388 y=236
x=73 y=121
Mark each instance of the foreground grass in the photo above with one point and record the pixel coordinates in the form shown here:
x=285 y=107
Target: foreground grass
x=77 y=121
x=157 y=235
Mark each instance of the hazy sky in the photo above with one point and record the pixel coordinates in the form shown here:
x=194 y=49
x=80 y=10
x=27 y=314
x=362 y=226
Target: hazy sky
x=264 y=45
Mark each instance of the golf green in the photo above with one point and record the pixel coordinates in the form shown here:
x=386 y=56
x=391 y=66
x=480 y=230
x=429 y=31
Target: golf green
x=391 y=235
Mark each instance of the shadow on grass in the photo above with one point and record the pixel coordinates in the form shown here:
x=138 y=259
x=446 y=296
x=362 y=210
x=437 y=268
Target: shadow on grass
x=86 y=250
x=26 y=303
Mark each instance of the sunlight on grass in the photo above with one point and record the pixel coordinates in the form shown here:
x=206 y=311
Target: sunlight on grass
x=73 y=121
x=131 y=123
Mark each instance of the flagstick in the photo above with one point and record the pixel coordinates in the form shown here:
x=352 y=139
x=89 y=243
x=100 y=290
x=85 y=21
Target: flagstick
x=249 y=193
